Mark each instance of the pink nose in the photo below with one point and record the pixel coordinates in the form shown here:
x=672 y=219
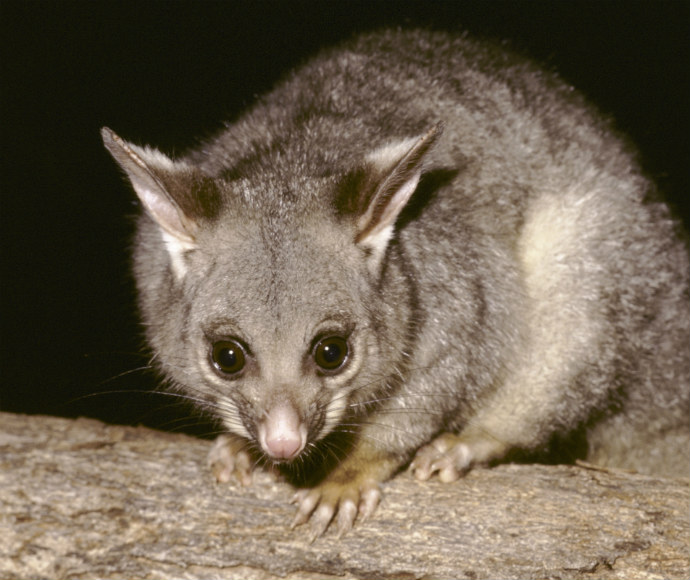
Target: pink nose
x=283 y=448
x=282 y=435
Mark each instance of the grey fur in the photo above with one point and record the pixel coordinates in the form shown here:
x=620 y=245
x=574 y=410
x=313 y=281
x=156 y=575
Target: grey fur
x=533 y=287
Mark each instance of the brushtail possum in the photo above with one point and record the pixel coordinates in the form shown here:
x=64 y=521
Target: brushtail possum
x=417 y=250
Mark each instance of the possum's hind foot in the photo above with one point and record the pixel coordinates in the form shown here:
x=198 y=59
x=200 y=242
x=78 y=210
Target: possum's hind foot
x=339 y=501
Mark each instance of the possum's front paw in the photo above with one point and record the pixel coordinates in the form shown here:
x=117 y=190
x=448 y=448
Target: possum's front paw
x=451 y=456
x=229 y=458
x=343 y=501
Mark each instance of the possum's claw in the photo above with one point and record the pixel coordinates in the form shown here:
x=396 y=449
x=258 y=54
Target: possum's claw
x=451 y=456
x=229 y=459
x=342 y=502
x=449 y=459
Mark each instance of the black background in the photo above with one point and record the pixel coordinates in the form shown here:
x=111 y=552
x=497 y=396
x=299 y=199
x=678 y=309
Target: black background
x=167 y=73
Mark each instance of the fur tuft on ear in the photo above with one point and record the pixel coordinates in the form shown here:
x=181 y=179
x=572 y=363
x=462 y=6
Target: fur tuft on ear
x=385 y=184
x=147 y=170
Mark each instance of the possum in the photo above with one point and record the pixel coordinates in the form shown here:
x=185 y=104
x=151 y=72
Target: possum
x=417 y=251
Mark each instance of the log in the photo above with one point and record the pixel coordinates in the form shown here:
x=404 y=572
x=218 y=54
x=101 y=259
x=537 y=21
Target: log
x=83 y=499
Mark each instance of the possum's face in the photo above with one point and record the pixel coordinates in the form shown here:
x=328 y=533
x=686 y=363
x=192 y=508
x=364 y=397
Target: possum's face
x=278 y=340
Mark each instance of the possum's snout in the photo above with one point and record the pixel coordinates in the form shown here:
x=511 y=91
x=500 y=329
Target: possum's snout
x=282 y=434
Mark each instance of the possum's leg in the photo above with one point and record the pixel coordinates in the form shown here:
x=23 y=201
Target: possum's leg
x=229 y=459
x=565 y=366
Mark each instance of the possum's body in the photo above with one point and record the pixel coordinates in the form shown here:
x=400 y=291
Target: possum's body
x=416 y=238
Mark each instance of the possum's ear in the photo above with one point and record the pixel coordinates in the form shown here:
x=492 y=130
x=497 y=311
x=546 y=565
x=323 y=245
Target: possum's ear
x=379 y=190
x=164 y=187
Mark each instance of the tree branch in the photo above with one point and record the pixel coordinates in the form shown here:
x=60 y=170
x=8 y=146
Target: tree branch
x=81 y=499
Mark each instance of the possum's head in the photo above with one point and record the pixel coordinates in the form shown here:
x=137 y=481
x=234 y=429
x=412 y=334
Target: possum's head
x=261 y=294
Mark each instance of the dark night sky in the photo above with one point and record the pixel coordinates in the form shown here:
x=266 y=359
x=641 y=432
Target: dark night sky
x=166 y=73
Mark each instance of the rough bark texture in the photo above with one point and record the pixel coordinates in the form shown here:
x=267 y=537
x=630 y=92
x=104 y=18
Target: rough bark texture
x=80 y=499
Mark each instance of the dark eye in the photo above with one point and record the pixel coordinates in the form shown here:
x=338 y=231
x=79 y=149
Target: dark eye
x=331 y=353
x=228 y=356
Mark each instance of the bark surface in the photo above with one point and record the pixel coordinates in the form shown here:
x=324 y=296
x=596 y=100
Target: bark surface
x=81 y=499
